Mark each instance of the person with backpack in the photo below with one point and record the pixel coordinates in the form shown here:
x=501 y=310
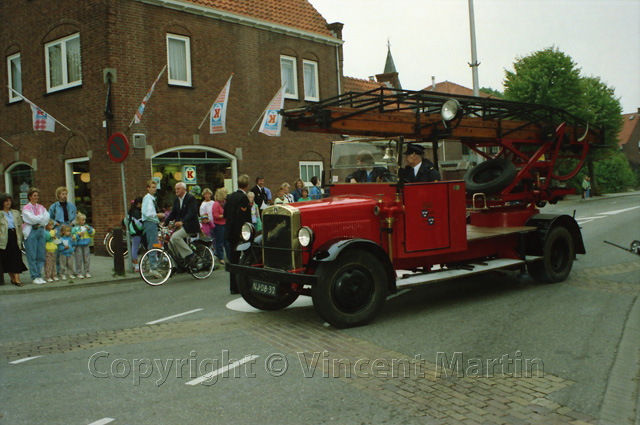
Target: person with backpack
x=135 y=228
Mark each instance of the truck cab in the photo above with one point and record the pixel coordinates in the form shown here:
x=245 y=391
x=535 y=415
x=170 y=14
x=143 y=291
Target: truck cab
x=375 y=233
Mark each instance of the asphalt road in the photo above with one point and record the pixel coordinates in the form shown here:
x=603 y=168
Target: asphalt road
x=102 y=359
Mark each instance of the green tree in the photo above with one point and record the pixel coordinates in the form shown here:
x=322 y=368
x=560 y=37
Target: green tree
x=550 y=77
x=492 y=92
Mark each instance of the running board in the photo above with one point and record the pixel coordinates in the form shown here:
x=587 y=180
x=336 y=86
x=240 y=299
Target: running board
x=446 y=274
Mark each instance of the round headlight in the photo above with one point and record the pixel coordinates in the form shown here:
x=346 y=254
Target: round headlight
x=450 y=109
x=305 y=236
x=247 y=232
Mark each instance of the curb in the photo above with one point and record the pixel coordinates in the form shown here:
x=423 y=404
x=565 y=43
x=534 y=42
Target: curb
x=30 y=288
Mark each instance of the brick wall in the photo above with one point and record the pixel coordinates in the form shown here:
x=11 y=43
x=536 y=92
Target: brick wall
x=130 y=37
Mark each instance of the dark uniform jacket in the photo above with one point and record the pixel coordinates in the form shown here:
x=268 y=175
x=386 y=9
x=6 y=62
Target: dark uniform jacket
x=261 y=195
x=188 y=214
x=426 y=173
x=237 y=211
x=361 y=175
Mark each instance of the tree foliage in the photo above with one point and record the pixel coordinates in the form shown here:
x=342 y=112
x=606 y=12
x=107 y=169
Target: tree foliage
x=492 y=92
x=550 y=77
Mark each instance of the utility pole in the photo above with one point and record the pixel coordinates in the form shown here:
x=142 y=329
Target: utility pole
x=474 y=54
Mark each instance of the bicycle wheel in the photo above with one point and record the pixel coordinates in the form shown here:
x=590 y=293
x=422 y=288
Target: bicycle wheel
x=160 y=272
x=205 y=263
x=109 y=241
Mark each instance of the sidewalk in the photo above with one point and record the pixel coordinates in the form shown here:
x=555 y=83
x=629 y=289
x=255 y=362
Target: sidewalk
x=578 y=197
x=102 y=271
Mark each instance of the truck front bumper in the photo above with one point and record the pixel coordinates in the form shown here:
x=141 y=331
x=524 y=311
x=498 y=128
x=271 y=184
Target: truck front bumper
x=271 y=276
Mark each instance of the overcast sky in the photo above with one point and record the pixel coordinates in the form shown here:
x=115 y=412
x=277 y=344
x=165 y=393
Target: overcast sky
x=431 y=38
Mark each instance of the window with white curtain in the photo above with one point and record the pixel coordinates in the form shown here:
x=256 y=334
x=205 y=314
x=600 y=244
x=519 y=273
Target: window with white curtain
x=179 y=60
x=311 y=85
x=14 y=68
x=289 y=76
x=309 y=169
x=63 y=61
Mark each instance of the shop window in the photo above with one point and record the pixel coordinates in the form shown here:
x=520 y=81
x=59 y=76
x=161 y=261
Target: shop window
x=199 y=170
x=18 y=180
x=63 y=63
x=309 y=169
x=14 y=68
x=179 y=60
x=289 y=76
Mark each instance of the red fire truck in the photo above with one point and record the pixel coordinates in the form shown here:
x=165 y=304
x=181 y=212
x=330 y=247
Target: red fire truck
x=352 y=249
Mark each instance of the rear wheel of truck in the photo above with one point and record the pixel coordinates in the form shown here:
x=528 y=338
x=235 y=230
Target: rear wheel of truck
x=283 y=298
x=351 y=290
x=558 y=256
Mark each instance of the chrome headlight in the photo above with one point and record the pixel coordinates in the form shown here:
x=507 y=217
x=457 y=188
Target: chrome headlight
x=305 y=236
x=247 y=232
x=450 y=110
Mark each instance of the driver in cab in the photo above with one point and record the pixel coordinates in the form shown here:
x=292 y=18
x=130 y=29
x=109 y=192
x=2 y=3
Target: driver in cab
x=366 y=172
x=418 y=169
x=185 y=214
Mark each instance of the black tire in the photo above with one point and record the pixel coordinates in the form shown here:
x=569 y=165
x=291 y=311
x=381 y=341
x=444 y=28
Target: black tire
x=490 y=177
x=351 y=290
x=108 y=240
x=256 y=300
x=205 y=263
x=635 y=247
x=558 y=256
x=161 y=272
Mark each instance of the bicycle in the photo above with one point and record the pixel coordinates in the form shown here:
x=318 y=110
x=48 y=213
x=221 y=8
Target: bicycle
x=169 y=262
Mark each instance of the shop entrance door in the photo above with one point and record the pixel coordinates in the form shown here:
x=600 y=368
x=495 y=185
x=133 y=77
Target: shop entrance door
x=79 y=186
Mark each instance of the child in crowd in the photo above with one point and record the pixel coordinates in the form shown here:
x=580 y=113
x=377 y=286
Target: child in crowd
x=51 y=248
x=281 y=199
x=305 y=195
x=82 y=233
x=66 y=249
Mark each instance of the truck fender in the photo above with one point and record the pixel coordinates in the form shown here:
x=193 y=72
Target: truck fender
x=544 y=223
x=330 y=250
x=246 y=245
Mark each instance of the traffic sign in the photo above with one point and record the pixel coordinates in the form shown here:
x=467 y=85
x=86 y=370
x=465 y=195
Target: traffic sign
x=118 y=147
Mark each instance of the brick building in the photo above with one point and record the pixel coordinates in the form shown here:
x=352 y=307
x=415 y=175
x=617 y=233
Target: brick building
x=90 y=63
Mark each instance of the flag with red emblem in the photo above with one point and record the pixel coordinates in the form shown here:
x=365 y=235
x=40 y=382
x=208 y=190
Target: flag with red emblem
x=217 y=123
x=272 y=121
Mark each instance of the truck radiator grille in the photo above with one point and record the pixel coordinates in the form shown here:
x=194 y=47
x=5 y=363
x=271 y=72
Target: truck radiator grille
x=277 y=242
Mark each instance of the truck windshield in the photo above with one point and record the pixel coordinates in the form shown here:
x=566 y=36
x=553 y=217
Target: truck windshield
x=370 y=161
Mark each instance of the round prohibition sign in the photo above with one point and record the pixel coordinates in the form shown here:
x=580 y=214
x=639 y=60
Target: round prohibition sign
x=118 y=147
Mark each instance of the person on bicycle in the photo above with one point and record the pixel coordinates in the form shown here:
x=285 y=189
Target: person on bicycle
x=185 y=214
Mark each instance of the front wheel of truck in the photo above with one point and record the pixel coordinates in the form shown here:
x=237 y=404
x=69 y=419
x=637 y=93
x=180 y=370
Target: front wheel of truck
x=351 y=289
x=281 y=298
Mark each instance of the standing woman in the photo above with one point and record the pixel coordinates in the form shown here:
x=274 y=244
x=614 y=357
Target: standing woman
x=10 y=240
x=151 y=218
x=217 y=211
x=206 y=212
x=297 y=192
x=136 y=230
x=35 y=217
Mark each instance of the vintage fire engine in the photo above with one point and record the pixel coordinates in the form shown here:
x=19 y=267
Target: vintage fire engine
x=350 y=250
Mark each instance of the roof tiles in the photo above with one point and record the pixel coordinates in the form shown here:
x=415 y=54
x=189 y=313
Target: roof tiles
x=298 y=14
x=629 y=125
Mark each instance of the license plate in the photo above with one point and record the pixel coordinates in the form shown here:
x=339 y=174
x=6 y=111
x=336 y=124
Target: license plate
x=264 y=288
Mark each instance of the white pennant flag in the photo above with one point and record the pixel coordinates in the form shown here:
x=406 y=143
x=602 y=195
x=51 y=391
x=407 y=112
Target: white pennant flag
x=218 y=120
x=272 y=121
x=42 y=121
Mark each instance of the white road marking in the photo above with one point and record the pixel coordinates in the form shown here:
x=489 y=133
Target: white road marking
x=102 y=421
x=584 y=220
x=239 y=304
x=174 y=316
x=26 y=359
x=221 y=370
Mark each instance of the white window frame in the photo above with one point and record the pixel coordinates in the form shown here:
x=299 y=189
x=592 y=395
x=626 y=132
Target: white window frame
x=310 y=164
x=65 y=72
x=315 y=81
x=291 y=90
x=12 y=96
x=187 y=41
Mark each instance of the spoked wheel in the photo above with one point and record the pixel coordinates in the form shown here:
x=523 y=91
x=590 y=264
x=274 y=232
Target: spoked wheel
x=155 y=267
x=351 y=290
x=282 y=298
x=108 y=244
x=205 y=263
x=558 y=256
